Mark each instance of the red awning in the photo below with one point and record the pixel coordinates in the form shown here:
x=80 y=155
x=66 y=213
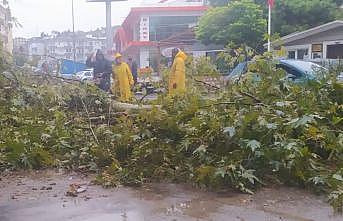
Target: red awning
x=138 y=44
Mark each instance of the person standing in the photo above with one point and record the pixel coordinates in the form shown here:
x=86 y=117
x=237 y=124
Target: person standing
x=102 y=69
x=177 y=77
x=123 y=80
x=134 y=69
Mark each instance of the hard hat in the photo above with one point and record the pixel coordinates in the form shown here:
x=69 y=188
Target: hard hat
x=117 y=55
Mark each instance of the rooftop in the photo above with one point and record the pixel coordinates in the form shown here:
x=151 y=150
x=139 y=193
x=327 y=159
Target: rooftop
x=312 y=31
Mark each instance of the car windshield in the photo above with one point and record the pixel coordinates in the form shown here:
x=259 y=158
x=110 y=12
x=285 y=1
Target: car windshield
x=238 y=70
x=306 y=67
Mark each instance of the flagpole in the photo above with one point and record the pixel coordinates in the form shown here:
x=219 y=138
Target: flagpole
x=269 y=27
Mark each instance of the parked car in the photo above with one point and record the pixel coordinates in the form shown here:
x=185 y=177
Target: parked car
x=67 y=76
x=36 y=70
x=340 y=77
x=300 y=71
x=86 y=75
x=297 y=71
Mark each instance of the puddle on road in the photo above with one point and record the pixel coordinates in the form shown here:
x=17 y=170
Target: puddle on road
x=24 y=198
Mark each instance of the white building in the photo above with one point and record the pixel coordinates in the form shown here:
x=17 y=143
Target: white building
x=61 y=46
x=36 y=47
x=323 y=42
x=6 y=28
x=20 y=45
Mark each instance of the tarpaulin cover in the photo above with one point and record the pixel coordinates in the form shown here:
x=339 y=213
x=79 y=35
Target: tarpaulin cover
x=71 y=67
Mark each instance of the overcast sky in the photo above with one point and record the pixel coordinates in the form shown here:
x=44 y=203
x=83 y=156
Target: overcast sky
x=38 y=16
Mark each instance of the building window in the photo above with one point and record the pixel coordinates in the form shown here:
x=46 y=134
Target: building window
x=335 y=51
x=291 y=54
x=163 y=27
x=302 y=54
x=317 y=51
x=317 y=55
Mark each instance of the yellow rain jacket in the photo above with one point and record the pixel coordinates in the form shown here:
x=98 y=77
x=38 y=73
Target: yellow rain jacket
x=123 y=81
x=177 y=77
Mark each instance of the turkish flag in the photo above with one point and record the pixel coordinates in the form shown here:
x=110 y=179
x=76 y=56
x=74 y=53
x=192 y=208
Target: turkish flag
x=271 y=3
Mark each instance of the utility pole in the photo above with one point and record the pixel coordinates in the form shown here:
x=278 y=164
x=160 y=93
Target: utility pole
x=109 y=34
x=74 y=47
x=269 y=27
x=270 y=8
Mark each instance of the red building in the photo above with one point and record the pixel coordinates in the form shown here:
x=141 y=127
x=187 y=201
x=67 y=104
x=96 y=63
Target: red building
x=148 y=31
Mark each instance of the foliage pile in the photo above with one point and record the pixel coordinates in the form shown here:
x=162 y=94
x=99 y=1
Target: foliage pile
x=252 y=134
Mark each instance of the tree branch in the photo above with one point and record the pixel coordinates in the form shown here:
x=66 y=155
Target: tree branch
x=256 y=100
x=207 y=84
x=90 y=121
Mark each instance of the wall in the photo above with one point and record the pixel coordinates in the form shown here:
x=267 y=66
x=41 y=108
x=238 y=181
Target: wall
x=37 y=48
x=144 y=57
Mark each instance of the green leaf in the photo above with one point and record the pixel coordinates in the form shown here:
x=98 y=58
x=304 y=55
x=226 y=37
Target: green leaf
x=253 y=145
x=336 y=120
x=337 y=177
x=297 y=122
x=271 y=126
x=231 y=131
x=200 y=149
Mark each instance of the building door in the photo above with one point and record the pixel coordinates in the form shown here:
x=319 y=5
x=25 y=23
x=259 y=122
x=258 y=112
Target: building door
x=335 y=51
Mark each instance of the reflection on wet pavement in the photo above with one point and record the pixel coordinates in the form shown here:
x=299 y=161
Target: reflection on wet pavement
x=42 y=197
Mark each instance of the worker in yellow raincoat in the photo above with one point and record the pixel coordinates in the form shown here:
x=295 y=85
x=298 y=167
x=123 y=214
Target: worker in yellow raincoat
x=177 y=77
x=123 y=79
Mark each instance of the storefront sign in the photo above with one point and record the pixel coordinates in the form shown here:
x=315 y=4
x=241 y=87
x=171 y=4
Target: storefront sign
x=144 y=29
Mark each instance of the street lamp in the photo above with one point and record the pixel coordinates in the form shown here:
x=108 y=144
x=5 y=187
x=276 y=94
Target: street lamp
x=109 y=40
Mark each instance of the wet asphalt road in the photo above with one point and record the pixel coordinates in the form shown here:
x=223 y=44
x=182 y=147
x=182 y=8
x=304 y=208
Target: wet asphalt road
x=41 y=197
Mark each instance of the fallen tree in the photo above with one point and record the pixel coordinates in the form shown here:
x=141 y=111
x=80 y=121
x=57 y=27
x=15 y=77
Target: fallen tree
x=249 y=135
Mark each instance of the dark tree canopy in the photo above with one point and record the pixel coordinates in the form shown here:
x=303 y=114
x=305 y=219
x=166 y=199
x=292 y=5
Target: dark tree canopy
x=338 y=2
x=296 y=15
x=226 y=2
x=242 y=22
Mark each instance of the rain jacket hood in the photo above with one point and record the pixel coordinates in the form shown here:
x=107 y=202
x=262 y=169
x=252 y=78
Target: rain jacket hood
x=181 y=55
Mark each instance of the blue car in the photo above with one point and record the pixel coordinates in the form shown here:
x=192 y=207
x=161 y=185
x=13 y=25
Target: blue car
x=296 y=70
